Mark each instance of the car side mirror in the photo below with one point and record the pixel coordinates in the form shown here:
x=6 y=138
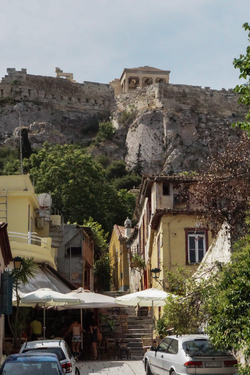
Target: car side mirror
x=153 y=348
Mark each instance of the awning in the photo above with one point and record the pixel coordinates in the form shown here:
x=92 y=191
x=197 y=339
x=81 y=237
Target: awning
x=47 y=277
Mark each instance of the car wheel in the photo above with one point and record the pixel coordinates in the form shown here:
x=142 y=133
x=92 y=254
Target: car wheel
x=173 y=372
x=148 y=371
x=77 y=372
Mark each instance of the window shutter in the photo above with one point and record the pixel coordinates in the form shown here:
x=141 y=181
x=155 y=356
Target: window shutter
x=6 y=293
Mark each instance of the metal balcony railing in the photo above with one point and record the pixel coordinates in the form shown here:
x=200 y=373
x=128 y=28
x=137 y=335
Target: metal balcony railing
x=29 y=238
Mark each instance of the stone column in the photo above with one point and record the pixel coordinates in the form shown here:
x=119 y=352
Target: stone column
x=140 y=81
x=126 y=84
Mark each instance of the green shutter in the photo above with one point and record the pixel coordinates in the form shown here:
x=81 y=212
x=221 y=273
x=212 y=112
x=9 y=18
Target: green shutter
x=6 y=293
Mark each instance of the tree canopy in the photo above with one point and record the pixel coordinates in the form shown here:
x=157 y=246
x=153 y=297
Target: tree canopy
x=243 y=64
x=79 y=186
x=223 y=183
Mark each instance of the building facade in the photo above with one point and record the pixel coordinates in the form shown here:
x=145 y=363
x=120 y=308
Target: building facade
x=19 y=206
x=170 y=228
x=76 y=256
x=120 y=256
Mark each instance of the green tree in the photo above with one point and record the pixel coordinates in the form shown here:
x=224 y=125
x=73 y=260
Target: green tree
x=186 y=307
x=127 y=182
x=26 y=146
x=125 y=206
x=116 y=169
x=103 y=273
x=138 y=168
x=77 y=183
x=21 y=276
x=100 y=237
x=229 y=306
x=243 y=64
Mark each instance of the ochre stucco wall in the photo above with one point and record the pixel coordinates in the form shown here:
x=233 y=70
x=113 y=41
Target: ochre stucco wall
x=173 y=243
x=119 y=260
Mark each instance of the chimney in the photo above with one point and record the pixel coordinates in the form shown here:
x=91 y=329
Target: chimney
x=127 y=225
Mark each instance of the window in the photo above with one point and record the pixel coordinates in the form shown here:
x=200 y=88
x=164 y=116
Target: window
x=196 y=245
x=173 y=347
x=75 y=251
x=164 y=344
x=166 y=189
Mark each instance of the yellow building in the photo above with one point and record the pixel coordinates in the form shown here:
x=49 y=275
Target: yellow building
x=170 y=228
x=120 y=256
x=28 y=234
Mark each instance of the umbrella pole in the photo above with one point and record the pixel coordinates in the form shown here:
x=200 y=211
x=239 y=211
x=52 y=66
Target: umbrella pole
x=44 y=328
x=152 y=329
x=81 y=332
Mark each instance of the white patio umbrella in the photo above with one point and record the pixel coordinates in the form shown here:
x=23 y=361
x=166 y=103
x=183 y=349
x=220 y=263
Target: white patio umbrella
x=48 y=297
x=91 y=299
x=148 y=297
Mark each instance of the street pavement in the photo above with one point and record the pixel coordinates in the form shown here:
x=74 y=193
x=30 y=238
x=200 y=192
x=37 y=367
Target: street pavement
x=111 y=367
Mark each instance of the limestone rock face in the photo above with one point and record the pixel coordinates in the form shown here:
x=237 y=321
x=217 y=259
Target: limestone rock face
x=170 y=128
x=148 y=132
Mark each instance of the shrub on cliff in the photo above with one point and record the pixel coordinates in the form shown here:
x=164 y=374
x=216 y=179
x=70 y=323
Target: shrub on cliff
x=106 y=131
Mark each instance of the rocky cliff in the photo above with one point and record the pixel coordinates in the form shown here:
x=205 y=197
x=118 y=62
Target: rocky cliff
x=170 y=127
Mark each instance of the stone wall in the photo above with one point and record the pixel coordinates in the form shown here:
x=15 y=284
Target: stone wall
x=177 y=126
x=171 y=97
x=61 y=93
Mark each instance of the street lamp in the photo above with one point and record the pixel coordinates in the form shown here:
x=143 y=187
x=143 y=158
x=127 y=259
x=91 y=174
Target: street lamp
x=156 y=271
x=17 y=263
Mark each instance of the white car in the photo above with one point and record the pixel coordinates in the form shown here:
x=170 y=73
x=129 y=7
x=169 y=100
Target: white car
x=188 y=354
x=58 y=347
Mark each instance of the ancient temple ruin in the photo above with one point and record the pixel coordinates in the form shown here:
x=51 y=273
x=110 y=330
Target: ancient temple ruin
x=143 y=76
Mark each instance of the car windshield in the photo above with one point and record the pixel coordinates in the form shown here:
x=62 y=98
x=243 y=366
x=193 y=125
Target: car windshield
x=202 y=347
x=58 y=351
x=26 y=368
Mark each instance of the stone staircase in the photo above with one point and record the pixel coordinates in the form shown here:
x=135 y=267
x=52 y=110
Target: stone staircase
x=137 y=326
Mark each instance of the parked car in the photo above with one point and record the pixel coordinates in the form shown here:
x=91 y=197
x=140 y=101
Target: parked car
x=188 y=354
x=58 y=347
x=25 y=364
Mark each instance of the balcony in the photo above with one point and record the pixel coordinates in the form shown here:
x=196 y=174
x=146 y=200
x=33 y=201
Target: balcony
x=30 y=245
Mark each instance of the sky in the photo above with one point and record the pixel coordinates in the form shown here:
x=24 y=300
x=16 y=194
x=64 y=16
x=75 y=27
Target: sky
x=197 y=40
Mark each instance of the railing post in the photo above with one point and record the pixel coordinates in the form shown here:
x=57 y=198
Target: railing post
x=29 y=238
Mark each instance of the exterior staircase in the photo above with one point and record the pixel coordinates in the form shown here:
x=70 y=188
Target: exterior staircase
x=56 y=234
x=137 y=326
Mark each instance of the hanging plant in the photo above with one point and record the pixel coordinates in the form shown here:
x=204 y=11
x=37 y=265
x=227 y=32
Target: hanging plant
x=137 y=262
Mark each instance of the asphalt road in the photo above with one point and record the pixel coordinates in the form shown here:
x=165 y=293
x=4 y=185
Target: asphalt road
x=111 y=367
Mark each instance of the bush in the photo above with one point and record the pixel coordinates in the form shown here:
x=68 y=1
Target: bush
x=106 y=131
x=116 y=170
x=128 y=116
x=127 y=182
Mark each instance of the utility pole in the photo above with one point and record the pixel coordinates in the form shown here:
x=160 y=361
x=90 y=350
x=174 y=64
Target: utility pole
x=18 y=107
x=21 y=151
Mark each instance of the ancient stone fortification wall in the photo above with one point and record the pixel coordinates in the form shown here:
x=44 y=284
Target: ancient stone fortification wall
x=61 y=93
x=177 y=126
x=180 y=97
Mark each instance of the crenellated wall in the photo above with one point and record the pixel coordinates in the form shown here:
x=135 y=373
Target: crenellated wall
x=175 y=127
x=61 y=93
